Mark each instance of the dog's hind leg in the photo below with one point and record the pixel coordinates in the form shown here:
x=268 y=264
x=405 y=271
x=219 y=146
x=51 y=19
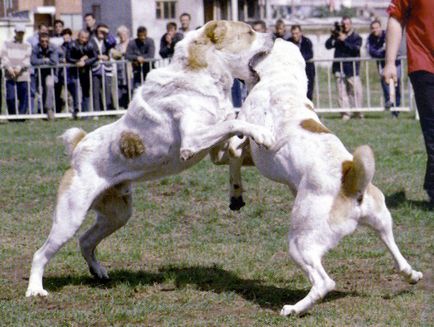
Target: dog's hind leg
x=307 y=252
x=379 y=218
x=75 y=196
x=114 y=208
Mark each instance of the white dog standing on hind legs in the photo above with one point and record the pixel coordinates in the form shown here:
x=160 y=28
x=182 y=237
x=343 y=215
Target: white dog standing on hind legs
x=332 y=188
x=172 y=122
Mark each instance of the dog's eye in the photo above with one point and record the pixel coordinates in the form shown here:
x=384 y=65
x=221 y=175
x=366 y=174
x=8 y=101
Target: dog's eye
x=251 y=32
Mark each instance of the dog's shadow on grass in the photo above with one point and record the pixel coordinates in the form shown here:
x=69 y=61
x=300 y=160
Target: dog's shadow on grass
x=213 y=279
x=399 y=199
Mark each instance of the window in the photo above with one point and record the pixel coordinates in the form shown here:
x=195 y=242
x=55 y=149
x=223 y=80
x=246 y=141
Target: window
x=96 y=11
x=165 y=9
x=72 y=21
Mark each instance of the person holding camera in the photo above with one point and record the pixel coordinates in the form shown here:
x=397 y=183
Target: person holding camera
x=347 y=44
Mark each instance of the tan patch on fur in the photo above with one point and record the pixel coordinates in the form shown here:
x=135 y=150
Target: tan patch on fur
x=349 y=182
x=77 y=139
x=231 y=36
x=131 y=145
x=196 y=54
x=66 y=181
x=377 y=196
x=313 y=126
x=341 y=208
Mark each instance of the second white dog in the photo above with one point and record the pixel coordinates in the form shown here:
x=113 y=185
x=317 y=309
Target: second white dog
x=333 y=188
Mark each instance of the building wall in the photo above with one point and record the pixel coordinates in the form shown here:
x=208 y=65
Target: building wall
x=113 y=12
x=144 y=13
x=68 y=7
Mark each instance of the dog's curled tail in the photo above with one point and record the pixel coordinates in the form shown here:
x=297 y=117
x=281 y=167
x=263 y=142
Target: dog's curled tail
x=358 y=173
x=71 y=138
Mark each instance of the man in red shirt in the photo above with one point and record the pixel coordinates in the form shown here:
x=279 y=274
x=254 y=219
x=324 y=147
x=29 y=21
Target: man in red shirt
x=417 y=16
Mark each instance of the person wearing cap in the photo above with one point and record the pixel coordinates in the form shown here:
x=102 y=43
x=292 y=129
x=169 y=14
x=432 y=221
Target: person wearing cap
x=15 y=56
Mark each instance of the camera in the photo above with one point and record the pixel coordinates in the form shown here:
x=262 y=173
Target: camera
x=337 y=29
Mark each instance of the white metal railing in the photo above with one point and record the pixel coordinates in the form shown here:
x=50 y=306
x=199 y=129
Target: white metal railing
x=64 y=75
x=325 y=98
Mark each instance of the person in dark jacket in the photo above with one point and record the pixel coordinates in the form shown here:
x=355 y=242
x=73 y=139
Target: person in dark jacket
x=64 y=73
x=347 y=44
x=169 y=40
x=83 y=55
x=306 y=49
x=90 y=22
x=138 y=51
x=43 y=54
x=377 y=49
x=279 y=30
x=102 y=71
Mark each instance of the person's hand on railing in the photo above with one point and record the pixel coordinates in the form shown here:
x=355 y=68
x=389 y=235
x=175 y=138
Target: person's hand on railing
x=84 y=58
x=103 y=57
x=81 y=63
x=390 y=73
x=11 y=72
x=140 y=59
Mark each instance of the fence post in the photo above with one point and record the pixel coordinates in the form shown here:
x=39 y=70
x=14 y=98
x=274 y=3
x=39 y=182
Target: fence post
x=65 y=87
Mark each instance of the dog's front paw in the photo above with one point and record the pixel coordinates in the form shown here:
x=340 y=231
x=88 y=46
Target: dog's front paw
x=263 y=137
x=36 y=292
x=186 y=154
x=236 y=203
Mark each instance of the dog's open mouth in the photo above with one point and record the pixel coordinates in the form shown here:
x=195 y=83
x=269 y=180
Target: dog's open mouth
x=256 y=59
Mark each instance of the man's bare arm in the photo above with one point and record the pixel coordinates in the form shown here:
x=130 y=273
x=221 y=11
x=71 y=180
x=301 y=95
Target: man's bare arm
x=393 y=42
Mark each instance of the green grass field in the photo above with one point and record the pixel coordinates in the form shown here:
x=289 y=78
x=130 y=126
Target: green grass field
x=184 y=259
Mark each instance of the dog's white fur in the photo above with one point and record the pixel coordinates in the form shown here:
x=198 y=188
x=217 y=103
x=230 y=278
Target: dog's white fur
x=173 y=120
x=333 y=188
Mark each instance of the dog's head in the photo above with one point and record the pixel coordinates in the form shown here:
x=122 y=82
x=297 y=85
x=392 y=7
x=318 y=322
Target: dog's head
x=223 y=45
x=283 y=56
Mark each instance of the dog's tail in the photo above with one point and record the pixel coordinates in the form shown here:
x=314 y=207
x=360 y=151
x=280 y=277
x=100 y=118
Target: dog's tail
x=358 y=173
x=71 y=138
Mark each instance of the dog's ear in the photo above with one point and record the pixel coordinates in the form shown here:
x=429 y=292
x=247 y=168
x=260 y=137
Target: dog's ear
x=213 y=35
x=215 y=31
x=197 y=53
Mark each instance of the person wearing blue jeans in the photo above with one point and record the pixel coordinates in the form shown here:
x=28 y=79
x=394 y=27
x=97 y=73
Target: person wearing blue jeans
x=377 y=49
x=15 y=56
x=21 y=95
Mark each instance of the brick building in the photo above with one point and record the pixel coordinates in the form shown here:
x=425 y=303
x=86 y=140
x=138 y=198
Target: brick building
x=44 y=11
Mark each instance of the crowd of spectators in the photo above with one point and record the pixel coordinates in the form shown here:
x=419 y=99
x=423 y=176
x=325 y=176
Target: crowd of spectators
x=105 y=68
x=95 y=56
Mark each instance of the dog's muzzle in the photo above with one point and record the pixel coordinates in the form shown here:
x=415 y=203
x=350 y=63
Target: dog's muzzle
x=254 y=61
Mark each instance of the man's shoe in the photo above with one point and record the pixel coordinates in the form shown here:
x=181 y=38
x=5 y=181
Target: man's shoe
x=346 y=117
